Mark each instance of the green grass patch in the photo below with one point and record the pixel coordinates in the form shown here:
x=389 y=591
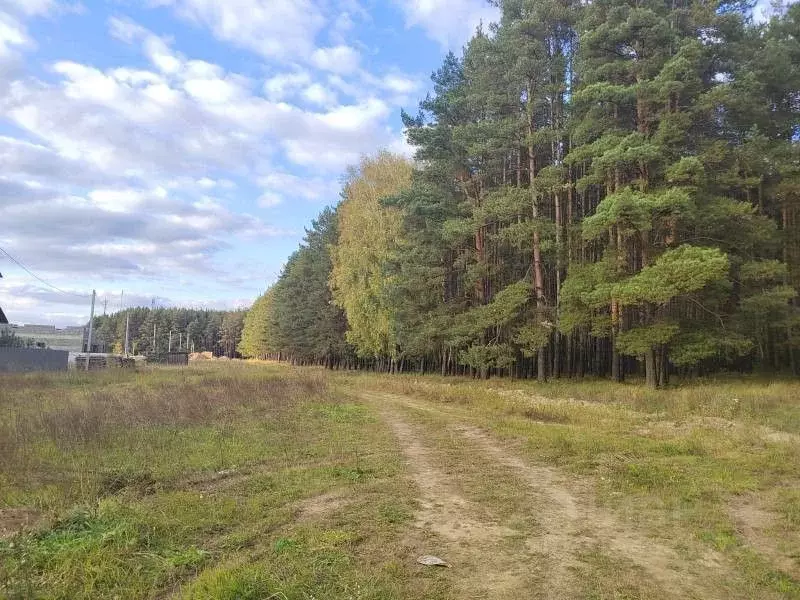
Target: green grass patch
x=192 y=484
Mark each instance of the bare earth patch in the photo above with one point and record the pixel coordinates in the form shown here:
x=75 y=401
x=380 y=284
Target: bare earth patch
x=216 y=482
x=760 y=528
x=318 y=506
x=16 y=520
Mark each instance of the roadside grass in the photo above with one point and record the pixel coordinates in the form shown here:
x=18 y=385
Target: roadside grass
x=749 y=400
x=675 y=462
x=217 y=481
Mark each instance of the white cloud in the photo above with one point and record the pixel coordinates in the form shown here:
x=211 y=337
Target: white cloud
x=354 y=117
x=12 y=35
x=126 y=200
x=85 y=83
x=29 y=8
x=400 y=84
x=161 y=56
x=283 y=85
x=337 y=59
x=342 y=27
x=125 y=30
x=14 y=39
x=272 y=28
x=320 y=95
x=206 y=183
x=212 y=91
x=449 y=22
x=280 y=185
x=310 y=153
x=345 y=87
x=33 y=303
x=270 y=200
x=107 y=132
x=34 y=162
x=399 y=145
x=136 y=77
x=127 y=125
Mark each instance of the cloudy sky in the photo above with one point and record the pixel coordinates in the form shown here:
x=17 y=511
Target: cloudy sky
x=175 y=149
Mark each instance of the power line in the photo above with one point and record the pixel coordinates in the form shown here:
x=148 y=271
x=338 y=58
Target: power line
x=35 y=276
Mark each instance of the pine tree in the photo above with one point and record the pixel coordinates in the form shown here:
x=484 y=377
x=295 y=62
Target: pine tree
x=309 y=328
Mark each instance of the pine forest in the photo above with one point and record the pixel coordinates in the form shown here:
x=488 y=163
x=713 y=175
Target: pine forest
x=608 y=188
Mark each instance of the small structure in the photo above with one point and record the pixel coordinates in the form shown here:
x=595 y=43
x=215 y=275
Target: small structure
x=103 y=361
x=180 y=359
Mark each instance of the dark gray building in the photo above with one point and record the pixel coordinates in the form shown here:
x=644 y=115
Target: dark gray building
x=21 y=360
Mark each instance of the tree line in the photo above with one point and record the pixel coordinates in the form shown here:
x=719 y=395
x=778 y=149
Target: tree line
x=608 y=188
x=156 y=330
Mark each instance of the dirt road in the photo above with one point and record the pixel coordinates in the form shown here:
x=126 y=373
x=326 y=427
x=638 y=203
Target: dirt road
x=547 y=536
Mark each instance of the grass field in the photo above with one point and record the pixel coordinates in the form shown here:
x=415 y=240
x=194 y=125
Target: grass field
x=254 y=481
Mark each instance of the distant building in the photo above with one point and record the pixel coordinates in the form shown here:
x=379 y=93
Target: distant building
x=70 y=339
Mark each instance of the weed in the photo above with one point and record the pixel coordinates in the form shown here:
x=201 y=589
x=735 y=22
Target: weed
x=232 y=583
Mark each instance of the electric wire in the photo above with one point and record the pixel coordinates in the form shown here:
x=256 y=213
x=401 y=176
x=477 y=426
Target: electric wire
x=35 y=276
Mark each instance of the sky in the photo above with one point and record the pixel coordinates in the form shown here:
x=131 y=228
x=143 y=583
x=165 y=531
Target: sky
x=176 y=149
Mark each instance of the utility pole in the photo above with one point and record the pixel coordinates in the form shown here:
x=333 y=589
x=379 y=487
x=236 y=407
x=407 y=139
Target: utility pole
x=91 y=325
x=180 y=341
x=169 y=348
x=105 y=305
x=127 y=330
x=154 y=338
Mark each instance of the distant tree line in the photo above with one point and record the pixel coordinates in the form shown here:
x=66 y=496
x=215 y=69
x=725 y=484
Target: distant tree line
x=192 y=330
x=608 y=188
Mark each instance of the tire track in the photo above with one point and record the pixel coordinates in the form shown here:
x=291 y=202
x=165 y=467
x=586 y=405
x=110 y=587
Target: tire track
x=466 y=535
x=571 y=522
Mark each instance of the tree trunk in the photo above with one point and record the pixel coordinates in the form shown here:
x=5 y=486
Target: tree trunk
x=650 y=368
x=480 y=249
x=663 y=372
x=541 y=365
x=538 y=278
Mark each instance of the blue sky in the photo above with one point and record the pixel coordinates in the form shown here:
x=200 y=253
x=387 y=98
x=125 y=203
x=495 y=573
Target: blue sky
x=175 y=149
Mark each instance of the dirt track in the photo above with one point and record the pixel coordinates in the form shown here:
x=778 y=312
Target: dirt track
x=492 y=559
